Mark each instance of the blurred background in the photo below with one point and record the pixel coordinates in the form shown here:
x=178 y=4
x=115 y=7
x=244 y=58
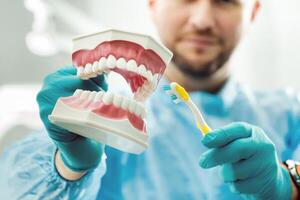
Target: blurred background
x=36 y=39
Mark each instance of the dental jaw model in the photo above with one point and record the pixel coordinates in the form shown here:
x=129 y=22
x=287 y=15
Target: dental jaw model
x=112 y=119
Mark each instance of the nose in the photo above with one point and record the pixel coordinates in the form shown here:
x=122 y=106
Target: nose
x=202 y=15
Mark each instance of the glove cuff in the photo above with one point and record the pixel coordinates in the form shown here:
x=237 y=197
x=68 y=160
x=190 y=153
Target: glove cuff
x=81 y=154
x=286 y=184
x=283 y=186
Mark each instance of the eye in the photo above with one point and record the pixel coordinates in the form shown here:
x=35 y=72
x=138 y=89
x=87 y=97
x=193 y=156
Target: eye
x=185 y=1
x=228 y=2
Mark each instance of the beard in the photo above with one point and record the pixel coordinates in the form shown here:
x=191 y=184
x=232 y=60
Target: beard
x=204 y=70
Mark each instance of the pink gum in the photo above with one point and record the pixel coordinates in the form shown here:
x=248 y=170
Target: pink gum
x=132 y=79
x=104 y=110
x=120 y=48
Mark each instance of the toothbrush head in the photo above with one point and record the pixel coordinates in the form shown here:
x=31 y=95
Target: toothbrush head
x=179 y=94
x=176 y=92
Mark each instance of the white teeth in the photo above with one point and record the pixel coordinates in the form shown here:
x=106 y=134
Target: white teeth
x=142 y=70
x=121 y=63
x=77 y=92
x=132 y=66
x=155 y=79
x=105 y=65
x=131 y=107
x=144 y=91
x=95 y=67
x=92 y=95
x=102 y=63
x=144 y=114
x=117 y=100
x=149 y=75
x=108 y=98
x=125 y=103
x=98 y=96
x=111 y=62
x=88 y=69
x=138 y=109
x=137 y=95
x=148 y=87
x=80 y=71
x=140 y=98
x=84 y=94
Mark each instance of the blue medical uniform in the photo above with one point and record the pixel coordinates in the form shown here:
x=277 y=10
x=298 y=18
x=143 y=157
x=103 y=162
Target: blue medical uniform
x=169 y=168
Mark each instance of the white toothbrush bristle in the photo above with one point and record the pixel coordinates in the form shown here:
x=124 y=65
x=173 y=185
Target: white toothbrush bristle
x=177 y=101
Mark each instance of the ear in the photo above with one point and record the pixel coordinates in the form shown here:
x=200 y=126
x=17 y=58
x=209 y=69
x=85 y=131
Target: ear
x=256 y=8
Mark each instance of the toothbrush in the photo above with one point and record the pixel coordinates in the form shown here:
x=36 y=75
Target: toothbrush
x=179 y=94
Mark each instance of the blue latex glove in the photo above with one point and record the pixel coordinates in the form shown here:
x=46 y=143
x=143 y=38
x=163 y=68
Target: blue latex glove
x=78 y=153
x=248 y=162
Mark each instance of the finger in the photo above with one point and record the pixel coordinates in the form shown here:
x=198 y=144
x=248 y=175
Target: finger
x=63 y=83
x=57 y=133
x=221 y=137
x=66 y=85
x=231 y=153
x=241 y=170
x=68 y=70
x=101 y=81
x=48 y=96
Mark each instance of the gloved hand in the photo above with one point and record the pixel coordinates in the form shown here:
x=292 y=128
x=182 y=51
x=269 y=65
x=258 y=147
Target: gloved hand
x=78 y=153
x=248 y=162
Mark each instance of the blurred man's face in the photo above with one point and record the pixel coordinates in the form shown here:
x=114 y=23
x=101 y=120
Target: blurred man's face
x=201 y=33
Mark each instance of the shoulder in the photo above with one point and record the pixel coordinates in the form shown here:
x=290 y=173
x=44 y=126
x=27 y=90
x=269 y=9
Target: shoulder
x=285 y=98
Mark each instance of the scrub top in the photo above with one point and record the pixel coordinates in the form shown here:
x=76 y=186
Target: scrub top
x=169 y=168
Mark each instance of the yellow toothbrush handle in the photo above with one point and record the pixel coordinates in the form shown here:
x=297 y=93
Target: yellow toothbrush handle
x=203 y=128
x=184 y=96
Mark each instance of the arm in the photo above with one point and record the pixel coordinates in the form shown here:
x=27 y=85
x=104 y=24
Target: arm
x=31 y=169
x=295 y=195
x=64 y=171
x=27 y=171
x=77 y=153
